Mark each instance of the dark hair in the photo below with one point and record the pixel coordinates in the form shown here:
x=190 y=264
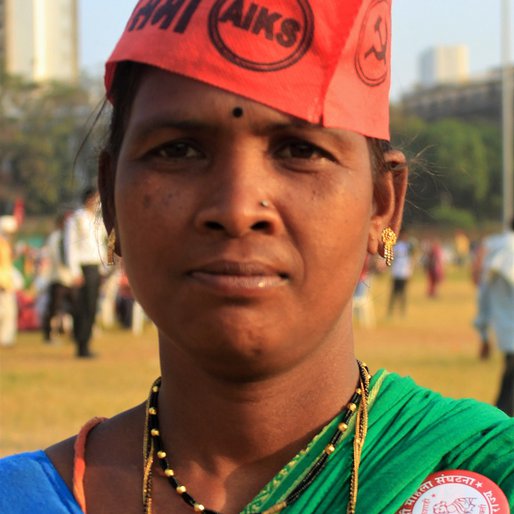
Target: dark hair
x=123 y=90
x=377 y=149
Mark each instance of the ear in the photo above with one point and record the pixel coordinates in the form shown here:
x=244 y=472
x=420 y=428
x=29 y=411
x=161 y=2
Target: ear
x=388 y=199
x=106 y=181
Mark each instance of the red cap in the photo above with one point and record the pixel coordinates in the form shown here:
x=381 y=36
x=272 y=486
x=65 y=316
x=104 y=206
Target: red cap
x=324 y=61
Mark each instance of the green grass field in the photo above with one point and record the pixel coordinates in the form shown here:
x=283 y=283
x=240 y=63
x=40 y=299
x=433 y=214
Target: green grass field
x=46 y=394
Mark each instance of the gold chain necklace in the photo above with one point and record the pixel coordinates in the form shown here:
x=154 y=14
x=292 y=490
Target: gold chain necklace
x=152 y=446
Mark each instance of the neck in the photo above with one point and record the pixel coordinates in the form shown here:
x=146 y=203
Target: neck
x=226 y=438
x=227 y=424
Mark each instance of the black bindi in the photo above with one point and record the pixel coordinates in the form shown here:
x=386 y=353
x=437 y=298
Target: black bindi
x=237 y=112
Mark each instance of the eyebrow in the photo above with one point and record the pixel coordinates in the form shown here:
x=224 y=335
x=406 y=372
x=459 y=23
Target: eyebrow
x=169 y=122
x=146 y=127
x=180 y=119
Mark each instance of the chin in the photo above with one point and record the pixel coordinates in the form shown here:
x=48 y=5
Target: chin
x=236 y=353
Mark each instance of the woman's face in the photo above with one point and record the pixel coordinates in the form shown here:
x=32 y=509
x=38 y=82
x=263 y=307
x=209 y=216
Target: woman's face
x=243 y=230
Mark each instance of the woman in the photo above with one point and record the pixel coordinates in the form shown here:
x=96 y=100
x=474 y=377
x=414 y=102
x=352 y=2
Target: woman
x=243 y=184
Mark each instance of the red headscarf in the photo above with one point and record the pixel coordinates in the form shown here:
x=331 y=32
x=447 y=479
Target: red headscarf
x=324 y=61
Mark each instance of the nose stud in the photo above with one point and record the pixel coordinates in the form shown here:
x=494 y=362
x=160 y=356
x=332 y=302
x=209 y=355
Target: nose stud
x=264 y=203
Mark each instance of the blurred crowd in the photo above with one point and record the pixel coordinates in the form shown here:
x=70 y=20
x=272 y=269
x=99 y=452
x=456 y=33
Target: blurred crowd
x=432 y=255
x=488 y=261
x=60 y=284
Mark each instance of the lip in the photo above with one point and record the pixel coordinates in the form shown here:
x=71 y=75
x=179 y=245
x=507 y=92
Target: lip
x=238 y=278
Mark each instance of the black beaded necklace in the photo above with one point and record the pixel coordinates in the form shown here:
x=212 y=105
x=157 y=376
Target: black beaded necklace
x=153 y=445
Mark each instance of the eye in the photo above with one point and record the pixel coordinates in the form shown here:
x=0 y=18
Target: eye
x=177 y=150
x=298 y=149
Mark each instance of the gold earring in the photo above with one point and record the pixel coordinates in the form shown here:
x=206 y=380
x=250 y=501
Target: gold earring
x=111 y=245
x=389 y=240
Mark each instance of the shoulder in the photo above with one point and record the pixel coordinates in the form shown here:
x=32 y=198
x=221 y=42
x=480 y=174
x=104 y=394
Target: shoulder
x=61 y=455
x=406 y=414
x=18 y=464
x=403 y=394
x=31 y=484
x=429 y=432
x=108 y=455
x=98 y=437
x=42 y=481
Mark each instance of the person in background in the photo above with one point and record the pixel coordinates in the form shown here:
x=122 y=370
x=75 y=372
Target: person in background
x=106 y=315
x=462 y=247
x=401 y=271
x=477 y=260
x=496 y=308
x=8 y=304
x=363 y=309
x=85 y=255
x=59 y=301
x=434 y=266
x=124 y=301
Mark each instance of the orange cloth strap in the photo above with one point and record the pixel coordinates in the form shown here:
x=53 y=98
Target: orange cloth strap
x=79 y=461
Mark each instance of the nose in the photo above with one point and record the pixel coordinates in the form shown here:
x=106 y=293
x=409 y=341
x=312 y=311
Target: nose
x=237 y=202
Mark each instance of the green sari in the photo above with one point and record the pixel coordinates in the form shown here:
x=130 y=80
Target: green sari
x=412 y=432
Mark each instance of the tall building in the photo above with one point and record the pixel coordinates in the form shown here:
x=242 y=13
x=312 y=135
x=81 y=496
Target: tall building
x=39 y=39
x=444 y=65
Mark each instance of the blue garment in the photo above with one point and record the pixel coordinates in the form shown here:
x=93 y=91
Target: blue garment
x=501 y=298
x=30 y=484
x=496 y=293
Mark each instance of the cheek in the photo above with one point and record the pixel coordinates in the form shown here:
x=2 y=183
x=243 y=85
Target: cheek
x=144 y=203
x=148 y=221
x=344 y=220
x=336 y=234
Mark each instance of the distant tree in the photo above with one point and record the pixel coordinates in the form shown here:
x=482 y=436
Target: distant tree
x=41 y=130
x=455 y=167
x=461 y=161
x=490 y=133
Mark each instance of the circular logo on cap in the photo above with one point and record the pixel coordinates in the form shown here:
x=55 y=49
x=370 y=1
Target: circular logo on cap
x=260 y=36
x=374 y=40
x=457 y=491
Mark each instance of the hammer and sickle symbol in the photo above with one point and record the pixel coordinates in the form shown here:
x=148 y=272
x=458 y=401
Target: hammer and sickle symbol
x=380 y=54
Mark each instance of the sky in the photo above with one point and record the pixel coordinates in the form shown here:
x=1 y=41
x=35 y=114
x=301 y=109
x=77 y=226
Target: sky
x=417 y=26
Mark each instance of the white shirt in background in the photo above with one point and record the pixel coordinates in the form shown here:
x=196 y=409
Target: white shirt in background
x=402 y=264
x=84 y=241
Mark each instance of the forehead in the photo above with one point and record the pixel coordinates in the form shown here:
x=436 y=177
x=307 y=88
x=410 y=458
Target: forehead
x=157 y=88
x=162 y=98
